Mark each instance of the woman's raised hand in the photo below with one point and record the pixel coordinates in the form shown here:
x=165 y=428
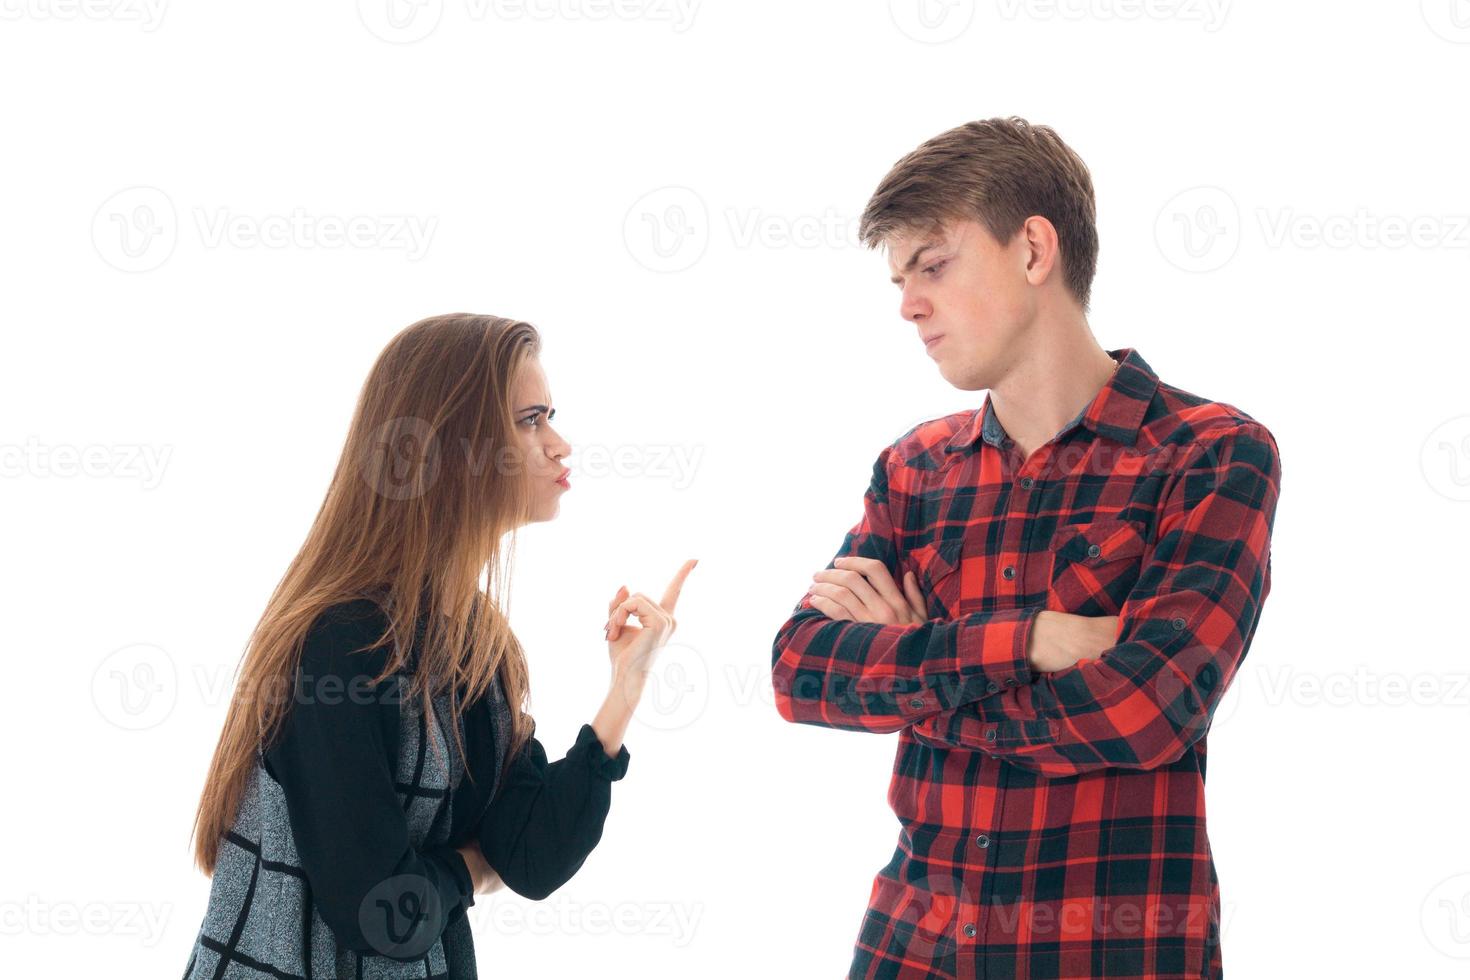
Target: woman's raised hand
x=631 y=648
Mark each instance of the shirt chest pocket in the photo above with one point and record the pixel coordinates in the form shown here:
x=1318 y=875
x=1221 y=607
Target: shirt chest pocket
x=937 y=566
x=1094 y=566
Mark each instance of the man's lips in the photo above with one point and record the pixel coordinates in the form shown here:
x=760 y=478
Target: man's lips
x=931 y=340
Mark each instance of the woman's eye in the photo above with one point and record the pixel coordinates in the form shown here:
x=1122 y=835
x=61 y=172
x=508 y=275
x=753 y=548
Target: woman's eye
x=530 y=420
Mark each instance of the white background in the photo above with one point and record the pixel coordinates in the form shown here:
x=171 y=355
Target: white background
x=1283 y=225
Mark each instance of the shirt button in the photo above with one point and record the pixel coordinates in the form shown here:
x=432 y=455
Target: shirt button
x=1009 y=571
x=992 y=687
x=916 y=702
x=1026 y=482
x=983 y=840
x=990 y=734
x=1011 y=682
x=969 y=928
x=1178 y=623
x=1093 y=551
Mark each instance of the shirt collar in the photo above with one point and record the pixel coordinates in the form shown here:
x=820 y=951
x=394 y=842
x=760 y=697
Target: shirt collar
x=1116 y=412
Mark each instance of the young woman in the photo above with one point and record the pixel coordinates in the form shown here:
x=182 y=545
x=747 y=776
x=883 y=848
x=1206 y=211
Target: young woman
x=377 y=769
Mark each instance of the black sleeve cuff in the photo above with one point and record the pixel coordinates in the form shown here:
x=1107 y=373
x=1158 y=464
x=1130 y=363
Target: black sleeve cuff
x=611 y=768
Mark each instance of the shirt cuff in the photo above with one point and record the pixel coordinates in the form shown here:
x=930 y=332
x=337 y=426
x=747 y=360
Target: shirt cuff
x=608 y=767
x=997 y=641
x=461 y=871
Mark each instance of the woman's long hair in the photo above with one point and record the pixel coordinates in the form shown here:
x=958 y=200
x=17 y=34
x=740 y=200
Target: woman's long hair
x=413 y=519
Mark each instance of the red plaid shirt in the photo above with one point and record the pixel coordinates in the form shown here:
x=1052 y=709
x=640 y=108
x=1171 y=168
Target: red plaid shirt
x=1052 y=825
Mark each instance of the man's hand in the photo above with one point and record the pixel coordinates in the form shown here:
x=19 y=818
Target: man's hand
x=862 y=590
x=1058 y=640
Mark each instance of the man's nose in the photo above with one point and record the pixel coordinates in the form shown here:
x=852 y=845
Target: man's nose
x=913 y=307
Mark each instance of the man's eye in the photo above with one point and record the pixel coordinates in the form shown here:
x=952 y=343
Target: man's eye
x=935 y=267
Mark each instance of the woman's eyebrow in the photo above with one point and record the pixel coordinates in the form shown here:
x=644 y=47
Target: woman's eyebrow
x=539 y=408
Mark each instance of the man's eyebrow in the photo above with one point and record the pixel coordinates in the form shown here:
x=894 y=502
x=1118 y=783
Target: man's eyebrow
x=914 y=259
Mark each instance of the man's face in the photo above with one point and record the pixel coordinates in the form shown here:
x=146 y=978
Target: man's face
x=962 y=286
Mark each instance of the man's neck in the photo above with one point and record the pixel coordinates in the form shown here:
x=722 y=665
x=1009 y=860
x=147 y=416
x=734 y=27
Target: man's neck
x=1059 y=376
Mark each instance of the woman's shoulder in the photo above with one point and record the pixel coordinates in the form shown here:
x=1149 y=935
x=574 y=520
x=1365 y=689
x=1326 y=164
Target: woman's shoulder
x=343 y=639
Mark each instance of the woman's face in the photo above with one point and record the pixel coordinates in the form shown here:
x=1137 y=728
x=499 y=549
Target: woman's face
x=542 y=449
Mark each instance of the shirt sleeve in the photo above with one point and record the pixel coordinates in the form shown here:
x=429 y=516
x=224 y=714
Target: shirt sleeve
x=545 y=819
x=1183 y=632
x=879 y=677
x=374 y=889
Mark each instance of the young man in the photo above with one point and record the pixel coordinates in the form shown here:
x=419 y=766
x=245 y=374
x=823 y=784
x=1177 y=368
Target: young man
x=1046 y=597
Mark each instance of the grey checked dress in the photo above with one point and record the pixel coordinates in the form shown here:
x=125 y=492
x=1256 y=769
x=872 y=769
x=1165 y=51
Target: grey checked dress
x=341 y=861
